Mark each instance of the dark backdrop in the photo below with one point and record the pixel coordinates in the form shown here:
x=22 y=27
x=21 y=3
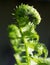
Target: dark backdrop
x=6 y=8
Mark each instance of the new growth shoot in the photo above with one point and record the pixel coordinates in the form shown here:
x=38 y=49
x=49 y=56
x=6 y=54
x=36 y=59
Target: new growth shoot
x=25 y=39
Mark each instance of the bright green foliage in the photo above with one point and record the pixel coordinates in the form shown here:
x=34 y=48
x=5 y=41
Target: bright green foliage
x=25 y=39
x=25 y=14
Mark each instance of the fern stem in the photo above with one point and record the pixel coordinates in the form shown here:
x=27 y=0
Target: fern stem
x=27 y=53
x=17 y=59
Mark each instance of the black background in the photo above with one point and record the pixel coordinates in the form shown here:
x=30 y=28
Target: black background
x=6 y=8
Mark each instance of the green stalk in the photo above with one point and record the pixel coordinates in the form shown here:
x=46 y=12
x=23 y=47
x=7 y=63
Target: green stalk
x=17 y=59
x=27 y=53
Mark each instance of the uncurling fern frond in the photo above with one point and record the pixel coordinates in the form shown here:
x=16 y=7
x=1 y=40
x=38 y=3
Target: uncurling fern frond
x=25 y=39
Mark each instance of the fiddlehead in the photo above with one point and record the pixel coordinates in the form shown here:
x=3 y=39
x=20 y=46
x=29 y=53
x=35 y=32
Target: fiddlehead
x=24 y=38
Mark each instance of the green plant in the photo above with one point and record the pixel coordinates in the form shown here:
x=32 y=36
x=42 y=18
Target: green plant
x=25 y=39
